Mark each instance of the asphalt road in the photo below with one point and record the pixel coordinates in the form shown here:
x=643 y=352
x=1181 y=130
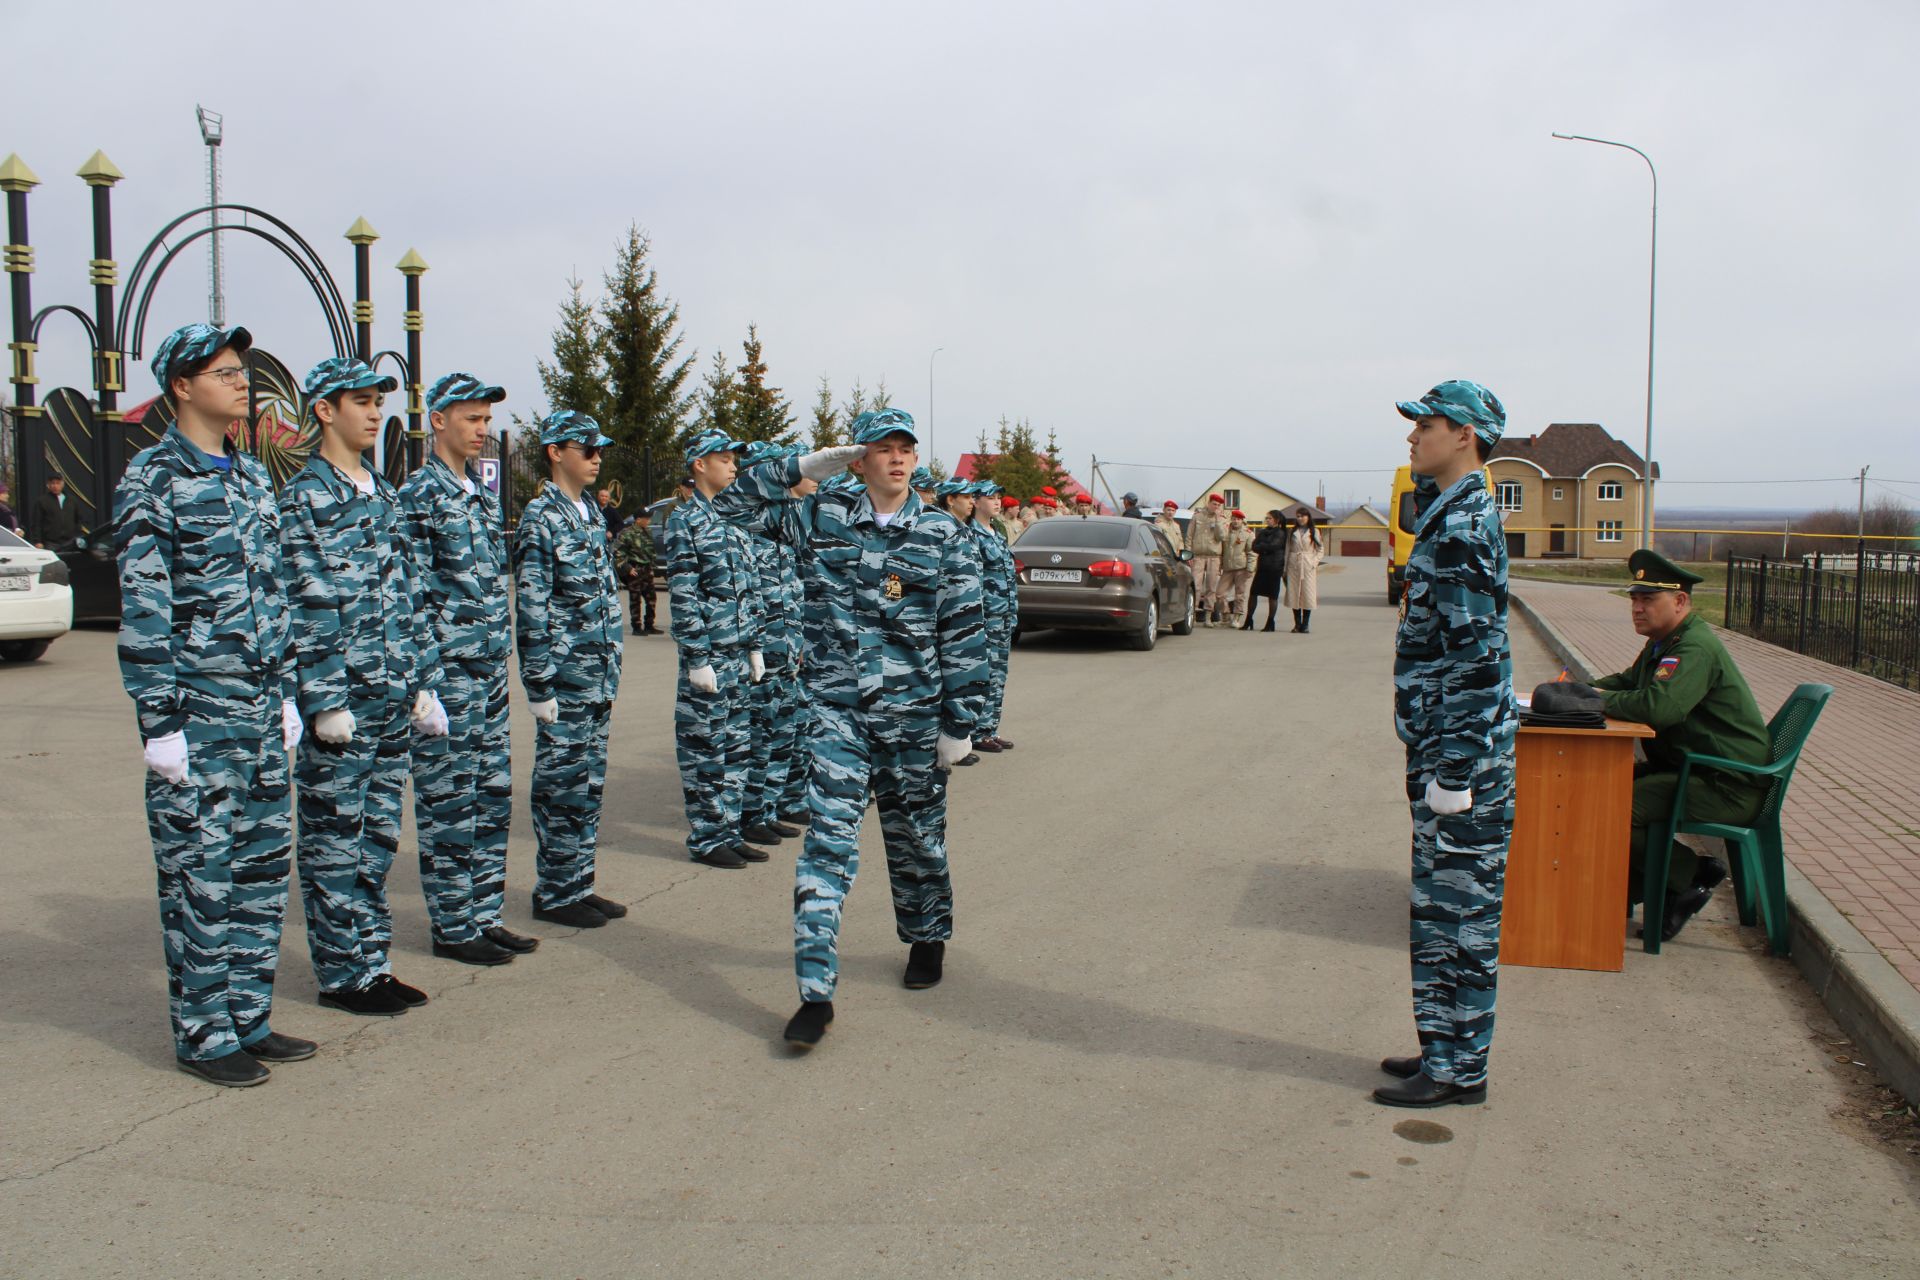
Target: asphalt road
x=1180 y=954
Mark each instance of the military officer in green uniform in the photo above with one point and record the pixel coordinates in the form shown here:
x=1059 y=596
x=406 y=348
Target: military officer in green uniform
x=1684 y=685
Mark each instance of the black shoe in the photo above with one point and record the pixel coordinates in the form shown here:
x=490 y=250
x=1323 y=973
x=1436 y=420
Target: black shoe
x=481 y=950
x=799 y=818
x=784 y=830
x=652 y=631
x=988 y=745
x=723 y=858
x=235 y=1070
x=501 y=936
x=747 y=853
x=413 y=996
x=1004 y=744
x=279 y=1048
x=605 y=906
x=639 y=631
x=377 y=1001
x=1709 y=874
x=924 y=962
x=1684 y=907
x=1425 y=1091
x=577 y=914
x=761 y=834
x=1247 y=625
x=969 y=758
x=806 y=1027
x=1269 y=625
x=1405 y=1068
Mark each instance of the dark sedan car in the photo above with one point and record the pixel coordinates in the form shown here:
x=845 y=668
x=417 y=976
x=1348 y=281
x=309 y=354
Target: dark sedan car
x=1102 y=573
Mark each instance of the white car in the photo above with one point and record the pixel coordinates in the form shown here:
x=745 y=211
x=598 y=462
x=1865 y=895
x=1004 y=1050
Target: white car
x=36 y=602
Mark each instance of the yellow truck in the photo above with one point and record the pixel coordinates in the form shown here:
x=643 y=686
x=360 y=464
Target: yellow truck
x=1401 y=516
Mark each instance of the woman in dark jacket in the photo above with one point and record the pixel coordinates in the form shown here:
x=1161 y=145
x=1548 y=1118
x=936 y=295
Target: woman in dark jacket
x=1270 y=544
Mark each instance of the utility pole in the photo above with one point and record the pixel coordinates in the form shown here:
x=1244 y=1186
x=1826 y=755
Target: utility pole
x=212 y=130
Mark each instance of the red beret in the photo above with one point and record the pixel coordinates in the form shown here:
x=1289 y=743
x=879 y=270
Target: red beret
x=1170 y=505
x=1081 y=497
x=1217 y=499
x=1047 y=489
x=1009 y=501
x=1239 y=513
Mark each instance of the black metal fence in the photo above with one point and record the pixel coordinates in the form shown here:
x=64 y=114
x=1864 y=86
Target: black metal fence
x=1860 y=610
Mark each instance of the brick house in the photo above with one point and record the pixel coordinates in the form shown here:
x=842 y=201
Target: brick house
x=1572 y=490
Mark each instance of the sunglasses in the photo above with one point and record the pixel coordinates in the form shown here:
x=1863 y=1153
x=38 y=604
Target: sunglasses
x=587 y=451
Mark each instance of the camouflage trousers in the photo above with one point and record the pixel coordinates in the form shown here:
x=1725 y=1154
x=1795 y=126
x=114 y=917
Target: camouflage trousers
x=796 y=773
x=641 y=599
x=712 y=744
x=569 y=781
x=857 y=757
x=463 y=804
x=349 y=806
x=221 y=842
x=1459 y=874
x=999 y=653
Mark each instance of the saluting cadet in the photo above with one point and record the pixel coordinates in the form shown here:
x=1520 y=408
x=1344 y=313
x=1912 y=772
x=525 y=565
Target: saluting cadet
x=773 y=711
x=204 y=654
x=463 y=780
x=1000 y=602
x=1454 y=710
x=367 y=672
x=1685 y=685
x=717 y=617
x=793 y=718
x=567 y=630
x=896 y=661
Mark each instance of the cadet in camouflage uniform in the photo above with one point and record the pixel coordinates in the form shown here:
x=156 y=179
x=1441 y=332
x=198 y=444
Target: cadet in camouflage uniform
x=1454 y=709
x=774 y=705
x=204 y=654
x=463 y=780
x=633 y=561
x=366 y=672
x=1206 y=536
x=1167 y=524
x=1000 y=599
x=896 y=661
x=717 y=616
x=567 y=629
x=1236 y=566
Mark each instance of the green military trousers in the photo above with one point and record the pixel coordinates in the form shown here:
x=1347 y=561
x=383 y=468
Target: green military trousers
x=1711 y=797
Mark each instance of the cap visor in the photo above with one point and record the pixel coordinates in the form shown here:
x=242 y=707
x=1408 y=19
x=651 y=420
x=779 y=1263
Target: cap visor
x=602 y=441
x=1414 y=410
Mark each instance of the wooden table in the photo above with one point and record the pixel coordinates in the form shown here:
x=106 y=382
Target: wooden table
x=1566 y=899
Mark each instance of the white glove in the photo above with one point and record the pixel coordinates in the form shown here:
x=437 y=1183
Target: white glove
x=950 y=751
x=429 y=716
x=546 y=712
x=291 y=727
x=1441 y=800
x=334 y=726
x=824 y=464
x=702 y=679
x=167 y=756
x=756 y=665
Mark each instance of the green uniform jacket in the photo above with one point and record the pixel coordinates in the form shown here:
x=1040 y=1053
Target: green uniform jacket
x=1687 y=688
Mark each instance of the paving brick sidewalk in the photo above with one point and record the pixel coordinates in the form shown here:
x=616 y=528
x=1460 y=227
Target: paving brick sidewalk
x=1852 y=822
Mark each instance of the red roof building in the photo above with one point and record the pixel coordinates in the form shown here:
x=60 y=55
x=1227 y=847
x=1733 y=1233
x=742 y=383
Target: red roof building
x=964 y=470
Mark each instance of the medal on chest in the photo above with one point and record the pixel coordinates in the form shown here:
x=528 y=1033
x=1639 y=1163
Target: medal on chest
x=891 y=587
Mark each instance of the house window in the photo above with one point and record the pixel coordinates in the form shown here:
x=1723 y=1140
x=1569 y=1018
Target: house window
x=1558 y=493
x=1609 y=530
x=1506 y=495
x=1232 y=496
x=1610 y=492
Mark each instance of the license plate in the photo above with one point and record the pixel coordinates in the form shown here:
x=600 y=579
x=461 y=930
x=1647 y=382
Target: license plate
x=1054 y=575
x=16 y=582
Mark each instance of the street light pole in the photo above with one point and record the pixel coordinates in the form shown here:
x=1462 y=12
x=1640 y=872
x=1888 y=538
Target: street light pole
x=936 y=351
x=1653 y=263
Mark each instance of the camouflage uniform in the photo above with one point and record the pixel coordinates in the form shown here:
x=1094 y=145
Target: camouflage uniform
x=633 y=561
x=793 y=727
x=777 y=768
x=717 y=616
x=1000 y=600
x=1454 y=710
x=1169 y=526
x=462 y=782
x=204 y=651
x=1236 y=570
x=895 y=657
x=567 y=629
x=359 y=648
x=1206 y=535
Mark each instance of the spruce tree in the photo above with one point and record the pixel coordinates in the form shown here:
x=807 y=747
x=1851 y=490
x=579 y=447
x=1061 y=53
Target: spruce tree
x=827 y=432
x=765 y=413
x=646 y=399
x=576 y=377
x=855 y=405
x=1015 y=462
x=718 y=405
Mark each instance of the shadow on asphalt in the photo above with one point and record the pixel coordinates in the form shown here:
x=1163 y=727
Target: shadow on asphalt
x=1365 y=905
x=112 y=992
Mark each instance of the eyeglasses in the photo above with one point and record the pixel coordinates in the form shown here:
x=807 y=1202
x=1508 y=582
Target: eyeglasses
x=587 y=451
x=231 y=376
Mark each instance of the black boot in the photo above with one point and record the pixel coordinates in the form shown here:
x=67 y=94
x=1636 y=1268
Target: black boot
x=278 y=1048
x=501 y=936
x=374 y=1002
x=1405 y=1068
x=1248 y=624
x=473 y=951
x=761 y=834
x=1306 y=622
x=924 y=963
x=605 y=906
x=412 y=997
x=1296 y=622
x=235 y=1070
x=806 y=1027
x=1424 y=1091
x=578 y=915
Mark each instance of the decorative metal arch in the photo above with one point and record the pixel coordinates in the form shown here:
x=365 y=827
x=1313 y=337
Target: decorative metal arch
x=86 y=322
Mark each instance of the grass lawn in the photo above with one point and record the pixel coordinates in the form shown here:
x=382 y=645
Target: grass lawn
x=1709 y=598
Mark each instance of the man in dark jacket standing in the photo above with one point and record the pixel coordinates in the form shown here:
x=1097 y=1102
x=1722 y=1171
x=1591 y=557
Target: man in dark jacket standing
x=56 y=517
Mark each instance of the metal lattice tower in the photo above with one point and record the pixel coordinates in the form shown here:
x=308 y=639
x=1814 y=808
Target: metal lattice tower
x=211 y=127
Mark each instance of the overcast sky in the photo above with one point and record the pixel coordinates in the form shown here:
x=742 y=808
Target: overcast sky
x=1192 y=235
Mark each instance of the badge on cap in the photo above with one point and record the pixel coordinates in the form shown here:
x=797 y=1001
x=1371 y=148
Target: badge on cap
x=891 y=588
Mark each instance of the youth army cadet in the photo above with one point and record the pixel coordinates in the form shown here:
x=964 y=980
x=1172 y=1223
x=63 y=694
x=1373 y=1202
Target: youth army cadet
x=896 y=663
x=774 y=702
x=1169 y=526
x=366 y=675
x=716 y=619
x=1454 y=710
x=567 y=629
x=1206 y=537
x=205 y=656
x=1236 y=566
x=463 y=780
x=1000 y=604
x=633 y=562
x=955 y=500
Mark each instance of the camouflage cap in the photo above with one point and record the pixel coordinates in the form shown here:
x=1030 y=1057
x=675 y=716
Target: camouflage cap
x=923 y=479
x=951 y=489
x=986 y=489
x=192 y=342
x=759 y=451
x=872 y=427
x=714 y=440
x=343 y=373
x=1467 y=403
x=570 y=426
x=458 y=388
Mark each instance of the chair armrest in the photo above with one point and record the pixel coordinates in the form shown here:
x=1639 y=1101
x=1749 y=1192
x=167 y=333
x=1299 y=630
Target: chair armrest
x=1736 y=766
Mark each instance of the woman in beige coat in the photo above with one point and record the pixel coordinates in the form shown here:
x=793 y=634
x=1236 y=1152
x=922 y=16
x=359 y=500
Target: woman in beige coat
x=1303 y=570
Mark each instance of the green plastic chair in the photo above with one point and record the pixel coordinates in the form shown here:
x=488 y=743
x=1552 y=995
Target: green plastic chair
x=1755 y=854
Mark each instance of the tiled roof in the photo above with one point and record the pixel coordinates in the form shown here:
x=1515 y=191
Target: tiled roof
x=1568 y=450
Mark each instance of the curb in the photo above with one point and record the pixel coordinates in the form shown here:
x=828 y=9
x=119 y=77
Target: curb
x=1865 y=994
